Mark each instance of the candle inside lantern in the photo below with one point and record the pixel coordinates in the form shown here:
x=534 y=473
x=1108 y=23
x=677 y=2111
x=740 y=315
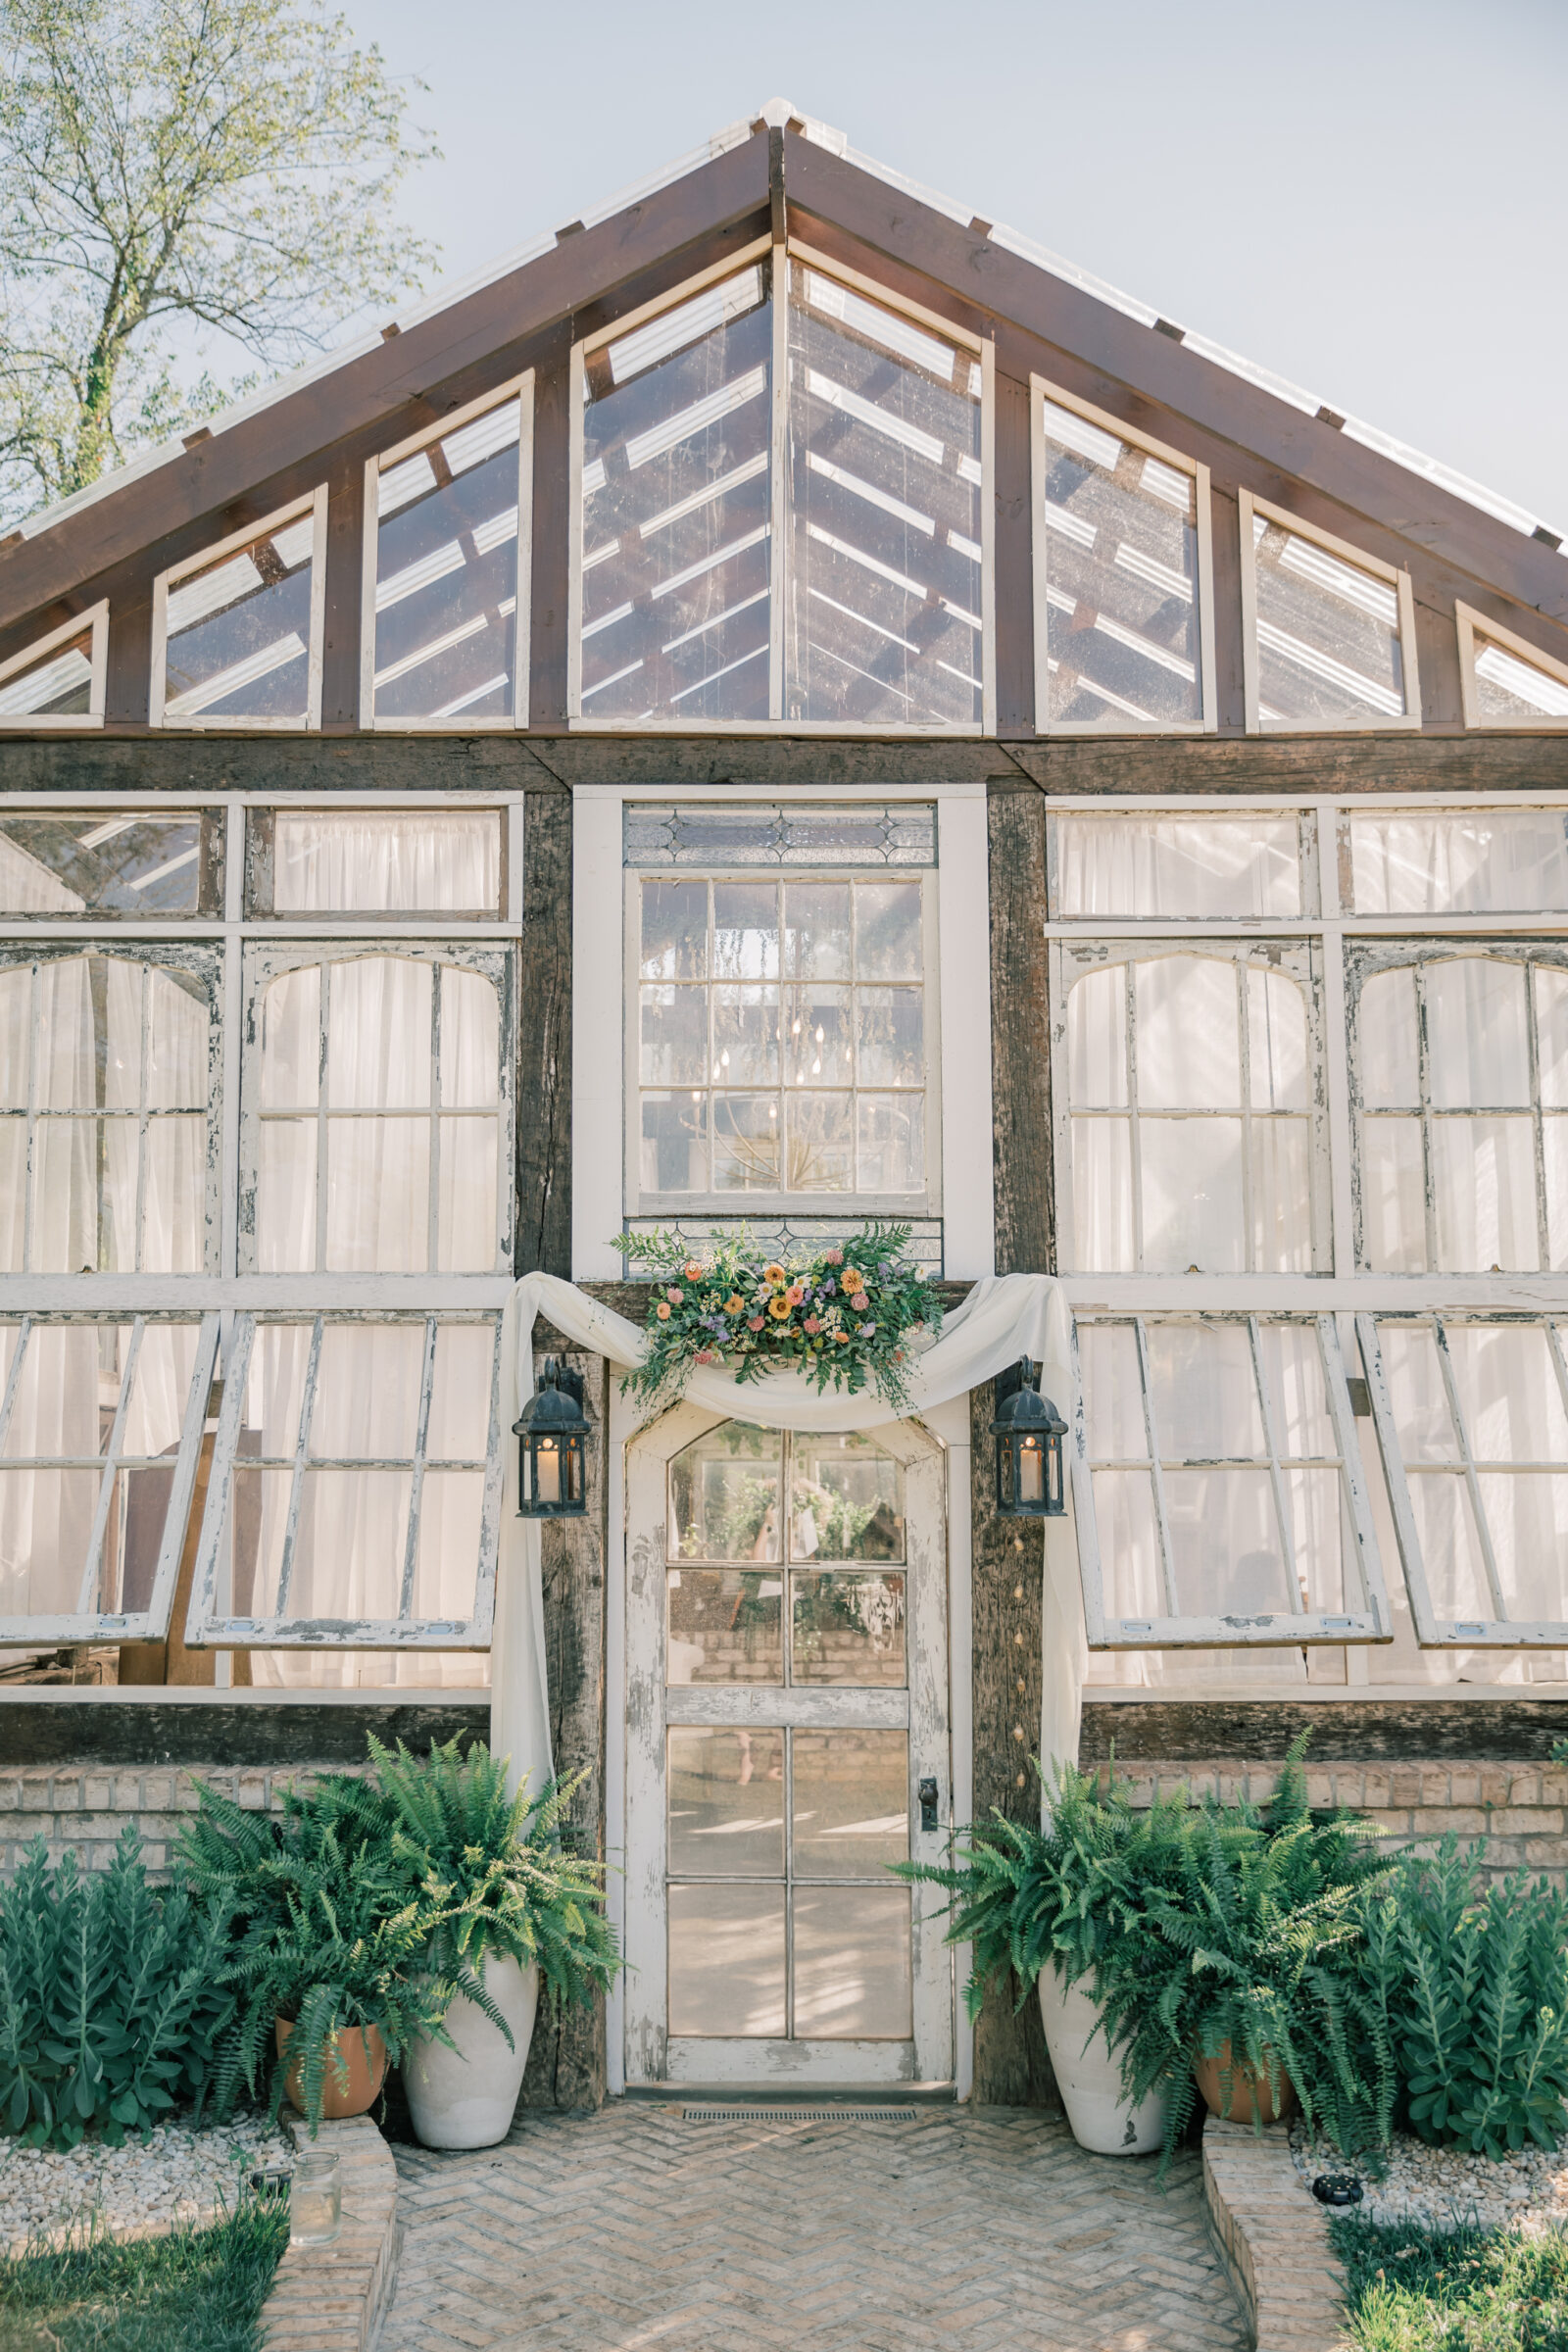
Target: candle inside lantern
x=314 y=2201
x=547 y=1471
x=1030 y=1469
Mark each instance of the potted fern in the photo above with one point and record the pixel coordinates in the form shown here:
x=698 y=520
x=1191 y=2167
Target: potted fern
x=505 y=1907
x=325 y=1949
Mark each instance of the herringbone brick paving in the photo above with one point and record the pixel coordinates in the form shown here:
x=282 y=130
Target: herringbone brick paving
x=633 y=2230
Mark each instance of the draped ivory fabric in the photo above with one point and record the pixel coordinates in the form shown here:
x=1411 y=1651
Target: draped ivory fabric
x=1004 y=1317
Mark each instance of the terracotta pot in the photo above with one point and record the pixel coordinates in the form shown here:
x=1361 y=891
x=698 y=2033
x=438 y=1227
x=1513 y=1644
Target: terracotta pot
x=1251 y=2099
x=360 y=2050
x=1088 y=2078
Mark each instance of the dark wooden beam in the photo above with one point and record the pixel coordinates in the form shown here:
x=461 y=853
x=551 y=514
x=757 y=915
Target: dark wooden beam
x=544 y=1039
x=1477 y=1728
x=345 y=578
x=1020 y=1033
x=1014 y=564
x=552 y=527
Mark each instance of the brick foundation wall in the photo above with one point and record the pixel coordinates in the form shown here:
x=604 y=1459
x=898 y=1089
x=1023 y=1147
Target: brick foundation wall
x=88 y=1809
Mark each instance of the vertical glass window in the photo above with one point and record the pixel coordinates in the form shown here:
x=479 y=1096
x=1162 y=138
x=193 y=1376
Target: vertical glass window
x=1462 y=1064
x=103 y=1087
x=236 y=637
x=1325 y=646
x=884 y=615
x=676 y=511
x=1190 y=1083
x=59 y=680
x=782 y=1037
x=1122 y=628
x=378 y=1119
x=444 y=630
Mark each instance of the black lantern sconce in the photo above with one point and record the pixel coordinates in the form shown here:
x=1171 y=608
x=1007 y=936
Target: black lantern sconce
x=1029 y=1431
x=552 y=1432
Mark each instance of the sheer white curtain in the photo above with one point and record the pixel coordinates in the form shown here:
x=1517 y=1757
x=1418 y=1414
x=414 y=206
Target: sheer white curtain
x=364 y=862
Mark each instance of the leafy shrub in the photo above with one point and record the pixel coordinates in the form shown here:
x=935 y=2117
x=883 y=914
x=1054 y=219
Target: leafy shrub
x=1472 y=1999
x=112 y=2003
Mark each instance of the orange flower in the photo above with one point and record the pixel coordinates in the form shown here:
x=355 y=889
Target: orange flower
x=692 y=1270
x=851 y=1281
x=796 y=1292
x=843 y=1338
x=778 y=1307
x=663 y=1311
x=773 y=1274
x=734 y=1303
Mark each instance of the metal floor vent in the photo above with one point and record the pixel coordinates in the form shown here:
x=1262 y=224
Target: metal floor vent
x=799 y=2114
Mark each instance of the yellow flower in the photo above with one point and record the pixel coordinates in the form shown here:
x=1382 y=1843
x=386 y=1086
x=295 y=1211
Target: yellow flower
x=773 y=1274
x=778 y=1307
x=734 y=1305
x=851 y=1281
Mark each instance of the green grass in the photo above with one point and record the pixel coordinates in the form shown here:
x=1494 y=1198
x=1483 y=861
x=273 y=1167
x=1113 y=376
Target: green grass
x=1468 y=2290
x=196 y=2290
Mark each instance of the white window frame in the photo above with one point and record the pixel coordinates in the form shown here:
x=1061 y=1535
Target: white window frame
x=1095 y=949
x=1432 y=1631
x=314 y=504
x=981 y=349
x=1041 y=389
x=96 y=618
x=1293 y=1628
x=521 y=389
x=750 y=1204
x=1250 y=504
x=1469 y=623
x=137 y=1624
x=209 y=1623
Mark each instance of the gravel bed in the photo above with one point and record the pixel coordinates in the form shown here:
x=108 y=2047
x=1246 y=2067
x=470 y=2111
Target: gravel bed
x=181 y=2175
x=1446 y=2189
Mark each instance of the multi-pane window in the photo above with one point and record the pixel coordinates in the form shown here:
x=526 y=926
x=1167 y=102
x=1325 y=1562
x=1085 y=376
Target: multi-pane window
x=444 y=566
x=59 y=680
x=783 y=513
x=1123 y=635
x=787 y=1567
x=1462 y=1062
x=780 y=1037
x=356 y=1483
x=1189 y=1091
x=1227 y=1487
x=1328 y=633
x=1504 y=681
x=244 y=1132
x=237 y=631
x=106 y=1081
x=380 y=1116
x=1473 y=1418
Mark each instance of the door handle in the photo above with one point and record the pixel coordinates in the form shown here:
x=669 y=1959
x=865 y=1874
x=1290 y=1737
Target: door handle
x=928 y=1804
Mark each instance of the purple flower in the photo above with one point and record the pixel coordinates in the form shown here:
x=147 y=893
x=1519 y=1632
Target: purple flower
x=868 y=1330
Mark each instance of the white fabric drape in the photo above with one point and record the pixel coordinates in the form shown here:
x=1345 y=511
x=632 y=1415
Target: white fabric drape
x=1004 y=1317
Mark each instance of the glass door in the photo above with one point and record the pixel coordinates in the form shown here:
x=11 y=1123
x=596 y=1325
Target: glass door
x=787 y=1652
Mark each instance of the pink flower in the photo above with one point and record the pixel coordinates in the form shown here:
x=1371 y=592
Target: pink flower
x=811 y=1323
x=704 y=1355
x=753 y=1322
x=674 y=1297
x=832 y=1257
x=796 y=1292
x=859 y=1302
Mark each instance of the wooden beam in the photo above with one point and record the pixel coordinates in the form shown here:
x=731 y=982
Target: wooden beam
x=544 y=1039
x=345 y=579
x=1020 y=1036
x=376 y=387
x=1014 y=597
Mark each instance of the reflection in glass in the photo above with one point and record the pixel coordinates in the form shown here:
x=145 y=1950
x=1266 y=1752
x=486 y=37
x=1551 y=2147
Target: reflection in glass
x=80 y=864
x=724 y=1627
x=726 y=1802
x=724 y=1495
x=1511 y=692
x=446 y=575
x=847 y=1628
x=59 y=685
x=854 y=1973
x=726 y=1961
x=851 y=1809
x=1121 y=581
x=884 y=613
x=238 y=647
x=1328 y=635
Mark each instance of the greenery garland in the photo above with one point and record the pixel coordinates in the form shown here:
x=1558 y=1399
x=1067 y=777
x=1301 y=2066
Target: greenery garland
x=842 y=1319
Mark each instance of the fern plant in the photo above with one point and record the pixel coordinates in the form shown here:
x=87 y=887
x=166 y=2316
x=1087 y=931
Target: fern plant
x=113 y=2007
x=1471 y=1994
x=492 y=1874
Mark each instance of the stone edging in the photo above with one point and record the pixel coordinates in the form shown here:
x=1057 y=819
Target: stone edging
x=332 y=2298
x=1274 y=2239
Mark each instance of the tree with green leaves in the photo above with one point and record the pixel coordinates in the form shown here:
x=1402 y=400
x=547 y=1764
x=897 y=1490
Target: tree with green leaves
x=174 y=172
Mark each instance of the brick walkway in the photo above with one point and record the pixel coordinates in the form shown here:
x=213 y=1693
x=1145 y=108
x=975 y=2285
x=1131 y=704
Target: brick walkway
x=988 y=2231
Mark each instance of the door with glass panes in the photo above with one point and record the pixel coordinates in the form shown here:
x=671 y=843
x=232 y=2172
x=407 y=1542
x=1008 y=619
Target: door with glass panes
x=786 y=1739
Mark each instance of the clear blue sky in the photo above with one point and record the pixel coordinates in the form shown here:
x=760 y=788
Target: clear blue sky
x=1368 y=196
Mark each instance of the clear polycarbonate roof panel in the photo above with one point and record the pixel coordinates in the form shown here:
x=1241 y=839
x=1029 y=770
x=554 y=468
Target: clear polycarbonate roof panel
x=445 y=575
x=1121 y=581
x=1510 y=691
x=1328 y=636
x=884 y=621
x=676 y=511
x=239 y=634
x=57 y=686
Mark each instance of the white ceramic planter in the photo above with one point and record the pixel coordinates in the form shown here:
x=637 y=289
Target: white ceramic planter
x=1090 y=2079
x=465 y=2098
